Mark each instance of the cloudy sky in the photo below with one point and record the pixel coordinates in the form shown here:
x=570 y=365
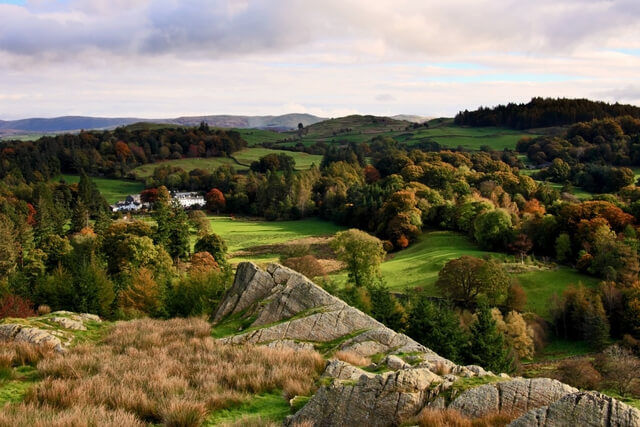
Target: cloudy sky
x=165 y=58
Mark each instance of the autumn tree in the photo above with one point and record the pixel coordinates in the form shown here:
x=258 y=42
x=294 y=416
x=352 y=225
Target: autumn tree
x=362 y=253
x=215 y=200
x=465 y=279
x=215 y=245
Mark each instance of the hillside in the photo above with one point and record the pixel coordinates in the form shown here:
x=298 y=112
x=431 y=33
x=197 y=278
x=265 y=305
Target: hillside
x=76 y=123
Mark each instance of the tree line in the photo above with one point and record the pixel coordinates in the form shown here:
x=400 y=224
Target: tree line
x=544 y=112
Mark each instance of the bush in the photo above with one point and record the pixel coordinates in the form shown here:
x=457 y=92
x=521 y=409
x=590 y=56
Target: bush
x=579 y=373
x=307 y=265
x=15 y=306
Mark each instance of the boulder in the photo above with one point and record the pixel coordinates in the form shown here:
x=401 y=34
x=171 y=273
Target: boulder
x=68 y=323
x=371 y=400
x=513 y=397
x=38 y=337
x=584 y=409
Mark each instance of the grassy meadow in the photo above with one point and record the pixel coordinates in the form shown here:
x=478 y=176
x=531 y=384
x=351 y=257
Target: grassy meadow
x=442 y=131
x=113 y=190
x=240 y=161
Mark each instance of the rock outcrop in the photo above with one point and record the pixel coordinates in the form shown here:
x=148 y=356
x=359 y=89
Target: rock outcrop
x=55 y=330
x=512 y=397
x=281 y=308
x=289 y=307
x=584 y=409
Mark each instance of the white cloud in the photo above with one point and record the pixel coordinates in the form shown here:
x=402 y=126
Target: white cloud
x=171 y=57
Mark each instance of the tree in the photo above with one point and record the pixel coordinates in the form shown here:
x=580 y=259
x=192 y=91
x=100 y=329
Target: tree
x=563 y=247
x=200 y=221
x=362 y=253
x=215 y=200
x=215 y=245
x=492 y=229
x=465 y=279
x=437 y=327
x=9 y=248
x=386 y=309
x=143 y=296
x=488 y=348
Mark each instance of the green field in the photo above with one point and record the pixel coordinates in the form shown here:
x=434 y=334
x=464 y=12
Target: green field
x=442 y=131
x=210 y=163
x=243 y=234
x=113 y=190
x=303 y=160
x=258 y=136
x=419 y=265
x=243 y=159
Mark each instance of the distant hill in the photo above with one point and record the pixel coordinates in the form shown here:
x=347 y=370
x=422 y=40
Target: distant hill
x=412 y=118
x=355 y=123
x=75 y=123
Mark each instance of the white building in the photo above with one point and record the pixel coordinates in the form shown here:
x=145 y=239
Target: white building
x=191 y=199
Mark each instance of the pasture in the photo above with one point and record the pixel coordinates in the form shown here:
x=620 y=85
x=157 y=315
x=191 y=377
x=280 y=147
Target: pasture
x=243 y=234
x=240 y=161
x=113 y=190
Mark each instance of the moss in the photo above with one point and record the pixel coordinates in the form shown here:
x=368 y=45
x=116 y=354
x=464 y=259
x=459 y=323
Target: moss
x=328 y=347
x=463 y=384
x=298 y=403
x=233 y=324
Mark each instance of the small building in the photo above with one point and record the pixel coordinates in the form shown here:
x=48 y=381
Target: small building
x=191 y=199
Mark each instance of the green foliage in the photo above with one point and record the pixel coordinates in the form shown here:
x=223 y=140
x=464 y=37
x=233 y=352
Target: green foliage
x=362 y=253
x=466 y=279
x=215 y=245
x=488 y=348
x=197 y=294
x=437 y=327
x=386 y=309
x=492 y=229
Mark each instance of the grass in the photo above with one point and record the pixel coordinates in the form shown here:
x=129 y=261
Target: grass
x=420 y=263
x=15 y=389
x=242 y=162
x=364 y=128
x=267 y=406
x=113 y=190
x=171 y=372
x=210 y=163
x=258 y=136
x=303 y=160
x=541 y=285
x=240 y=234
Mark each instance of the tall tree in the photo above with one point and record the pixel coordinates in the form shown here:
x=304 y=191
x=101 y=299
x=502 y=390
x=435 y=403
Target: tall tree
x=488 y=348
x=362 y=253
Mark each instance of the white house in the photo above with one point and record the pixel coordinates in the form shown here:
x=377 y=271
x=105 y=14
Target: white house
x=191 y=199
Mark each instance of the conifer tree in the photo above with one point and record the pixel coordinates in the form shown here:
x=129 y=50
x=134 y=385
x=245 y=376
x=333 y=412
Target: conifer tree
x=488 y=348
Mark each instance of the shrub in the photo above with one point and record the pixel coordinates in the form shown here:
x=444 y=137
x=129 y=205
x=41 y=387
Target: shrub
x=579 y=373
x=307 y=265
x=15 y=306
x=43 y=309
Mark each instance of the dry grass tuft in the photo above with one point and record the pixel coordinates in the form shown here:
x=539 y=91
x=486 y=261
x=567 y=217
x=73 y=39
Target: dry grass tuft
x=171 y=372
x=353 y=358
x=21 y=353
x=43 y=310
x=441 y=368
x=451 y=418
x=29 y=415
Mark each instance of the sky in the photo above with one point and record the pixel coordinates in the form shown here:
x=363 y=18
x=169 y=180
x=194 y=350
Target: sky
x=169 y=58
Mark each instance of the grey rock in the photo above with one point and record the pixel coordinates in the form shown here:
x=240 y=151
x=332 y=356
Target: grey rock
x=39 y=337
x=379 y=400
x=294 y=345
x=584 y=409
x=395 y=363
x=67 y=323
x=514 y=397
x=338 y=369
x=288 y=306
